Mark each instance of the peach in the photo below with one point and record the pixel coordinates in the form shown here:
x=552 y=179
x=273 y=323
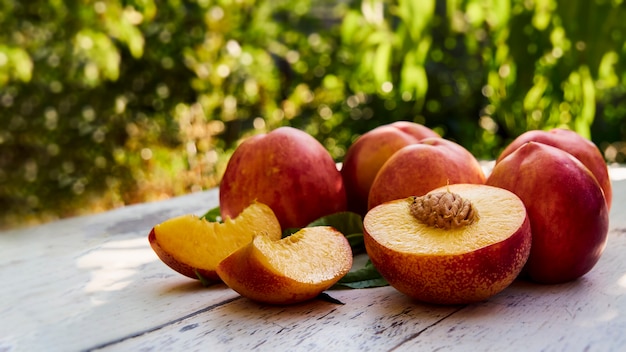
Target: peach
x=417 y=130
x=291 y=270
x=458 y=244
x=194 y=247
x=288 y=170
x=581 y=148
x=370 y=151
x=566 y=206
x=419 y=168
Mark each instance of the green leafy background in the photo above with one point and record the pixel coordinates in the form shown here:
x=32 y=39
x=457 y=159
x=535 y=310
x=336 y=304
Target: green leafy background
x=106 y=103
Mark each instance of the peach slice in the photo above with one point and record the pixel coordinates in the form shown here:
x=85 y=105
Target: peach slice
x=291 y=270
x=194 y=246
x=458 y=244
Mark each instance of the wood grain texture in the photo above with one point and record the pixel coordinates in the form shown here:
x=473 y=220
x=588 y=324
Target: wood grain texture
x=78 y=282
x=374 y=319
x=93 y=283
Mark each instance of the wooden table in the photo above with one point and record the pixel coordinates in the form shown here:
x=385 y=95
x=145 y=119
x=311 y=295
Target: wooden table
x=94 y=283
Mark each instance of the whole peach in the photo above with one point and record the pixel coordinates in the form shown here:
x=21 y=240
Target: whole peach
x=288 y=170
x=566 y=206
x=583 y=149
x=414 y=129
x=419 y=168
x=368 y=154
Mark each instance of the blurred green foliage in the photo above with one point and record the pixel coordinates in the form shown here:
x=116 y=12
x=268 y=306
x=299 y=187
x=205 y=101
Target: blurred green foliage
x=106 y=103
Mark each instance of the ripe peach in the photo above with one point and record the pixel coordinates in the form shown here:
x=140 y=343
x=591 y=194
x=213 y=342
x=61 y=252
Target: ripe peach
x=419 y=168
x=294 y=269
x=457 y=244
x=288 y=170
x=370 y=151
x=581 y=148
x=193 y=246
x=417 y=130
x=566 y=206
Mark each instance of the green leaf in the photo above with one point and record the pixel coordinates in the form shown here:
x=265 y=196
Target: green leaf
x=414 y=78
x=345 y=222
x=356 y=242
x=584 y=120
x=205 y=281
x=290 y=231
x=348 y=223
x=351 y=25
x=417 y=15
x=382 y=62
x=213 y=215
x=326 y=297
x=366 y=277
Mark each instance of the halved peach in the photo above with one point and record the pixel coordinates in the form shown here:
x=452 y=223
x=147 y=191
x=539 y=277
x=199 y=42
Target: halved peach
x=291 y=270
x=457 y=244
x=194 y=246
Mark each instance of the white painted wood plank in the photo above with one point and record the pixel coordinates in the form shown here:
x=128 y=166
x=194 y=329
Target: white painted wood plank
x=371 y=319
x=75 y=283
x=588 y=314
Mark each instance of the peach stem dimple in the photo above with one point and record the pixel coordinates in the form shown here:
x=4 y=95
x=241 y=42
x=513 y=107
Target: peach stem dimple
x=445 y=210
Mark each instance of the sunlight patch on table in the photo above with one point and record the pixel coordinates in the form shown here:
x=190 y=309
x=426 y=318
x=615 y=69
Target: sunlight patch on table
x=601 y=319
x=617 y=173
x=622 y=281
x=113 y=266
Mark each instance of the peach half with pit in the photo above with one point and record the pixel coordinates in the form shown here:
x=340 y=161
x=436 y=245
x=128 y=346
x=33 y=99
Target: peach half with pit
x=194 y=246
x=294 y=269
x=458 y=244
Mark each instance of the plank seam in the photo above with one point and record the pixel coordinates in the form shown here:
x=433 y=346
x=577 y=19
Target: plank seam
x=417 y=334
x=160 y=326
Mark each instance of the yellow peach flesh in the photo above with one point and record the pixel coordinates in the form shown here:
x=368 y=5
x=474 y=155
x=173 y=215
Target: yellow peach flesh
x=318 y=258
x=500 y=216
x=203 y=244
